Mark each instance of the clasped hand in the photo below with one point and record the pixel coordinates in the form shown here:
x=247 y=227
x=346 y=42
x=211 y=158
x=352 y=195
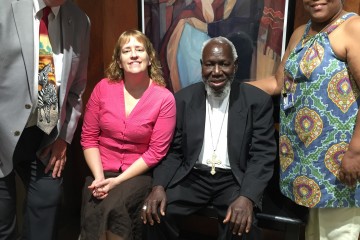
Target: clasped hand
x=100 y=188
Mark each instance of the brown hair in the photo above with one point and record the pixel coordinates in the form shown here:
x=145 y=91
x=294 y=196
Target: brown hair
x=115 y=73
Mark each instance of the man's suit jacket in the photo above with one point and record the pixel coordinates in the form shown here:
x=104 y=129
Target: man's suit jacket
x=251 y=143
x=17 y=92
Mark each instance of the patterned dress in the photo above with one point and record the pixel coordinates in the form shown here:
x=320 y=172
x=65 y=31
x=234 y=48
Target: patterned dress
x=318 y=123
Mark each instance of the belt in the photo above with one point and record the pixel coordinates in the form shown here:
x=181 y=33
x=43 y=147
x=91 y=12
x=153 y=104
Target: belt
x=206 y=168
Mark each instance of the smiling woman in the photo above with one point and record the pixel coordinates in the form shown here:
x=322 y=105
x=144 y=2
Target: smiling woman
x=128 y=125
x=319 y=80
x=133 y=58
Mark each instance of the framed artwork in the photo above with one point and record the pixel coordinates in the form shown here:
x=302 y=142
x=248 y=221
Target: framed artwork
x=259 y=30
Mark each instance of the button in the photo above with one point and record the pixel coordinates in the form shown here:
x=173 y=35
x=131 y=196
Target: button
x=17 y=133
x=27 y=106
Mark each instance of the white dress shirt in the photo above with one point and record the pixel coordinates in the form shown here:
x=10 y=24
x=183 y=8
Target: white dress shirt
x=215 y=135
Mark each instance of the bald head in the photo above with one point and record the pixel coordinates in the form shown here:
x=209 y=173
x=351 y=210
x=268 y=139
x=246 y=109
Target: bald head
x=218 y=65
x=221 y=40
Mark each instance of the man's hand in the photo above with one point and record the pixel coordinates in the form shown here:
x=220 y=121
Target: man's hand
x=240 y=215
x=57 y=161
x=156 y=198
x=349 y=172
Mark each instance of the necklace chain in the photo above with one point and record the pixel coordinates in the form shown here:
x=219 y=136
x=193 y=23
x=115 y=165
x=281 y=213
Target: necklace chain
x=222 y=122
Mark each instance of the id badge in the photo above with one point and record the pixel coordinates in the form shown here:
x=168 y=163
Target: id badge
x=288 y=101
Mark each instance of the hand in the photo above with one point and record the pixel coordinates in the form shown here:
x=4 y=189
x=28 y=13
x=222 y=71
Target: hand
x=349 y=171
x=240 y=215
x=57 y=158
x=103 y=187
x=96 y=192
x=156 y=198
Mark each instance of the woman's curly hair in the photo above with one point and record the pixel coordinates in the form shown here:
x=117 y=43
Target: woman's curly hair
x=115 y=73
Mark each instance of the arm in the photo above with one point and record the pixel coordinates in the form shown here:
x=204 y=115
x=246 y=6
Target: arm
x=90 y=139
x=93 y=160
x=163 y=173
x=259 y=169
x=57 y=150
x=158 y=146
x=272 y=85
x=156 y=200
x=350 y=165
x=74 y=96
x=262 y=152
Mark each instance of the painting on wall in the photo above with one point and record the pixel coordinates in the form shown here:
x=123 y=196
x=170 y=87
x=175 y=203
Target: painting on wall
x=177 y=28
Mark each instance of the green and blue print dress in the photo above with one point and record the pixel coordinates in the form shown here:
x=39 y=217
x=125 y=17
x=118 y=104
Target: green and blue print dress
x=316 y=130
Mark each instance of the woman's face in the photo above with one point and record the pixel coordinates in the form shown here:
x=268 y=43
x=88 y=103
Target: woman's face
x=133 y=57
x=322 y=11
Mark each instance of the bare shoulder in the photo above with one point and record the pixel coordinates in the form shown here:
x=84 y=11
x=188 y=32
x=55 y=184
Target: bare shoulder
x=352 y=26
x=351 y=39
x=351 y=33
x=297 y=35
x=299 y=31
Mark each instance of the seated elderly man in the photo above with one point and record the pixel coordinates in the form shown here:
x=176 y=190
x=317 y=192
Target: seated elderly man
x=222 y=153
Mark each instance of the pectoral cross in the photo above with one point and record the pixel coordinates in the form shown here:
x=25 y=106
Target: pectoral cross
x=213 y=161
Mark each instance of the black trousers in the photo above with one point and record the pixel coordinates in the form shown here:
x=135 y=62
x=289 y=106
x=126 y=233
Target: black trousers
x=198 y=190
x=42 y=193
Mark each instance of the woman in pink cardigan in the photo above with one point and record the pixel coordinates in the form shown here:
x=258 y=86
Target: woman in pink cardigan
x=128 y=125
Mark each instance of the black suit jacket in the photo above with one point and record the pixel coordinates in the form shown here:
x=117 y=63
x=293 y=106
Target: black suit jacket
x=251 y=143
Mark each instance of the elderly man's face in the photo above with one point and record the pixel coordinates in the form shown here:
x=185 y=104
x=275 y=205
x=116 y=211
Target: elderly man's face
x=218 y=66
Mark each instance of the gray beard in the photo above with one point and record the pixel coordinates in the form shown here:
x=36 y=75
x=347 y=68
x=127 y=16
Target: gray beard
x=218 y=94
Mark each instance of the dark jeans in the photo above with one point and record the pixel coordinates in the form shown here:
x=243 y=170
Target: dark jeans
x=42 y=193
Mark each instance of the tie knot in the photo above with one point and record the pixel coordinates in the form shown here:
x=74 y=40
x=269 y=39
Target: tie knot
x=46 y=12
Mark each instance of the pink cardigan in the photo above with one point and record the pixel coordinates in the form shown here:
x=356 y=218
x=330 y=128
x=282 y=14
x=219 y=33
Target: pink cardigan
x=146 y=132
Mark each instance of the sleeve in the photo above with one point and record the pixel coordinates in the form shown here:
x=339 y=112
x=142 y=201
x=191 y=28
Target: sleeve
x=162 y=133
x=262 y=152
x=164 y=172
x=91 y=127
x=74 y=96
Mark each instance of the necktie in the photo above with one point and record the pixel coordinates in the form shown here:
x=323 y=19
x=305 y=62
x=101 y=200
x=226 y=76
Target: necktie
x=47 y=92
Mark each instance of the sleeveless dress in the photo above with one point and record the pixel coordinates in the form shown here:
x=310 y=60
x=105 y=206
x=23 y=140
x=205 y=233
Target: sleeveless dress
x=317 y=123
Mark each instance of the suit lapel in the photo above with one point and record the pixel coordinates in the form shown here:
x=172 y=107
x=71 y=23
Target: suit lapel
x=23 y=15
x=237 y=121
x=67 y=30
x=196 y=121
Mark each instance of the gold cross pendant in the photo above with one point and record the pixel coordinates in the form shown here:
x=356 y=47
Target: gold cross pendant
x=213 y=161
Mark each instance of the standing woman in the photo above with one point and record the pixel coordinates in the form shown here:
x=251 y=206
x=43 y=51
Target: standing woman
x=319 y=80
x=128 y=125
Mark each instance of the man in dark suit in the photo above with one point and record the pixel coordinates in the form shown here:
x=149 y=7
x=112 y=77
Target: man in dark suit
x=38 y=156
x=222 y=153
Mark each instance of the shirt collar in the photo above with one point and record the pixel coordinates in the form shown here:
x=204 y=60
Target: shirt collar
x=39 y=5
